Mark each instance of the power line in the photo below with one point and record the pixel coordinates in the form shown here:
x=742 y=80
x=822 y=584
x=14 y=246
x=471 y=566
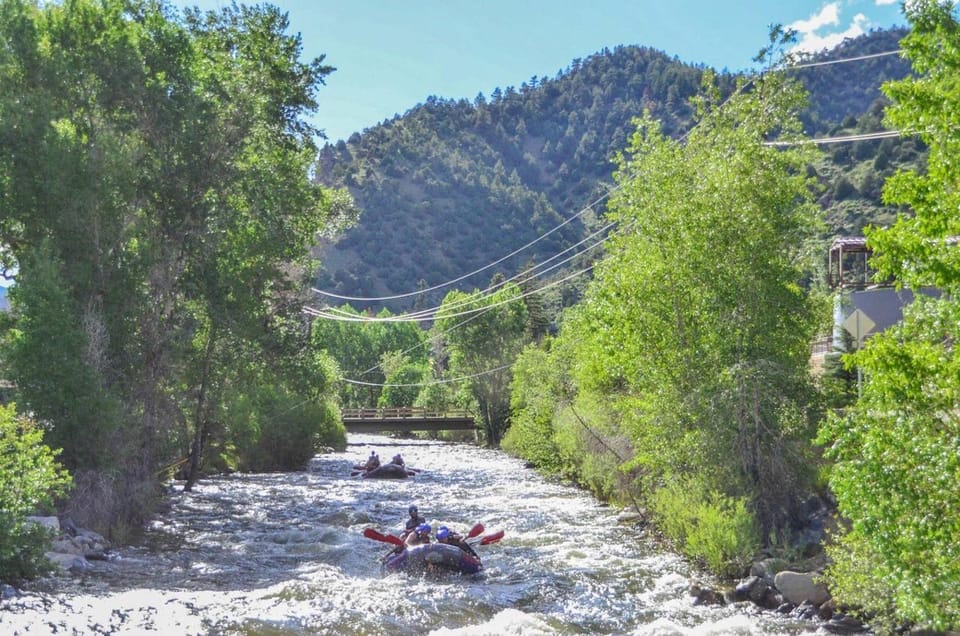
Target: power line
x=525 y=275
x=840 y=61
x=423 y=384
x=474 y=272
x=882 y=134
x=321 y=313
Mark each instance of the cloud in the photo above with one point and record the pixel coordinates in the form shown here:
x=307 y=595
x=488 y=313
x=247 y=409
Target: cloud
x=883 y=3
x=815 y=34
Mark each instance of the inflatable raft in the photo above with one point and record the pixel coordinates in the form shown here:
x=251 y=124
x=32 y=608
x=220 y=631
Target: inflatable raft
x=387 y=471
x=432 y=557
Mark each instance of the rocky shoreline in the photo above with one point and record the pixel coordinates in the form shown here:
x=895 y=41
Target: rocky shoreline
x=73 y=548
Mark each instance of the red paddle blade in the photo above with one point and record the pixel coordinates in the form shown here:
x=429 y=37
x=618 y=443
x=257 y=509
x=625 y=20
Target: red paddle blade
x=492 y=538
x=370 y=533
x=475 y=531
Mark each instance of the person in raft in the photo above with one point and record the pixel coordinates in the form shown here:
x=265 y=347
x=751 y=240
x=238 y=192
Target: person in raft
x=420 y=536
x=448 y=536
x=413 y=521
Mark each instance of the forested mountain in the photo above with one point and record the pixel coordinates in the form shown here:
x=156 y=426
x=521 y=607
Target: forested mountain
x=452 y=185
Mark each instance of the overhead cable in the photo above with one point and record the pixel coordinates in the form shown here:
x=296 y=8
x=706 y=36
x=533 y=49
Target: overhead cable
x=526 y=275
x=441 y=381
x=474 y=272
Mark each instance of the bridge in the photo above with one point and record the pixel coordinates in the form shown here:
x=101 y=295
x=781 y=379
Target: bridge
x=404 y=419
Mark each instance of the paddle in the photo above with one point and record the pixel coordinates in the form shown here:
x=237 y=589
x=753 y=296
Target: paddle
x=488 y=539
x=370 y=533
x=475 y=531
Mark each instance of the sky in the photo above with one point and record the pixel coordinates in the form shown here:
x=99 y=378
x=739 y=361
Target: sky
x=391 y=55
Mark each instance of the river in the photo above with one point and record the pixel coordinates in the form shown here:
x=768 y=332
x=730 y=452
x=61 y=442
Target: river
x=284 y=554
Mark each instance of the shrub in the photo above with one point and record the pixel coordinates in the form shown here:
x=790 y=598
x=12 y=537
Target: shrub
x=31 y=478
x=707 y=525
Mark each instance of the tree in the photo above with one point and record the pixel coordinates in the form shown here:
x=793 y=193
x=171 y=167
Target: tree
x=484 y=336
x=164 y=163
x=897 y=450
x=360 y=346
x=696 y=329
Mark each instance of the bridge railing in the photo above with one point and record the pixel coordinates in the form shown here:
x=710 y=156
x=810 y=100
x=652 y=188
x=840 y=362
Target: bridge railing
x=402 y=412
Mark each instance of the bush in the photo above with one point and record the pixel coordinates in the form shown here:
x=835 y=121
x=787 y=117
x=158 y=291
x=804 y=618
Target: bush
x=31 y=478
x=707 y=525
x=286 y=431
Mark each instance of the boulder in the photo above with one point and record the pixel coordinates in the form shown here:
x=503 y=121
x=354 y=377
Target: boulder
x=800 y=587
x=49 y=522
x=68 y=562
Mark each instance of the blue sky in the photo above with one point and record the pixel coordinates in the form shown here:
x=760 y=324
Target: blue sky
x=392 y=54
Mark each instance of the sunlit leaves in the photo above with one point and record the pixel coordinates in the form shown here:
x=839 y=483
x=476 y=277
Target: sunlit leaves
x=897 y=452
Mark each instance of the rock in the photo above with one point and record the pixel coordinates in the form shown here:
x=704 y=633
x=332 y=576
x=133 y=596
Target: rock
x=631 y=517
x=68 y=562
x=825 y=612
x=70 y=527
x=744 y=589
x=50 y=522
x=843 y=624
x=767 y=568
x=798 y=587
x=65 y=546
x=705 y=595
x=805 y=610
x=772 y=599
x=8 y=591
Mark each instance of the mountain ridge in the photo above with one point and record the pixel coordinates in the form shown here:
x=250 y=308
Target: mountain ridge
x=452 y=186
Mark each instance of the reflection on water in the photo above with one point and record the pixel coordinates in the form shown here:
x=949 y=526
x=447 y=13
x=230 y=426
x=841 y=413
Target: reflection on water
x=284 y=554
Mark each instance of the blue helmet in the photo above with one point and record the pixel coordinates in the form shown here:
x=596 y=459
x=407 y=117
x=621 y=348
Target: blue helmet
x=412 y=510
x=443 y=532
x=423 y=527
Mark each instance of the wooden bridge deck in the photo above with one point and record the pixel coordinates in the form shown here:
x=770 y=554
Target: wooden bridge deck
x=402 y=419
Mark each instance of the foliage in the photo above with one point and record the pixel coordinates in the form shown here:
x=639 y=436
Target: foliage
x=359 y=347
x=289 y=432
x=838 y=379
x=482 y=347
x=897 y=451
x=157 y=191
x=55 y=367
x=709 y=526
x=478 y=180
x=689 y=365
x=31 y=478
x=404 y=384
x=710 y=347
x=534 y=404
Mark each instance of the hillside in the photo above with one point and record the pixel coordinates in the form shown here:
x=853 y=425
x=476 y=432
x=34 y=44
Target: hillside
x=453 y=185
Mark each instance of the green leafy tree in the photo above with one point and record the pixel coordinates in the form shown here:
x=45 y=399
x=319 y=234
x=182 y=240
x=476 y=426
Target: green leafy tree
x=54 y=367
x=693 y=339
x=714 y=343
x=404 y=385
x=361 y=346
x=483 y=334
x=31 y=478
x=164 y=163
x=535 y=401
x=897 y=450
